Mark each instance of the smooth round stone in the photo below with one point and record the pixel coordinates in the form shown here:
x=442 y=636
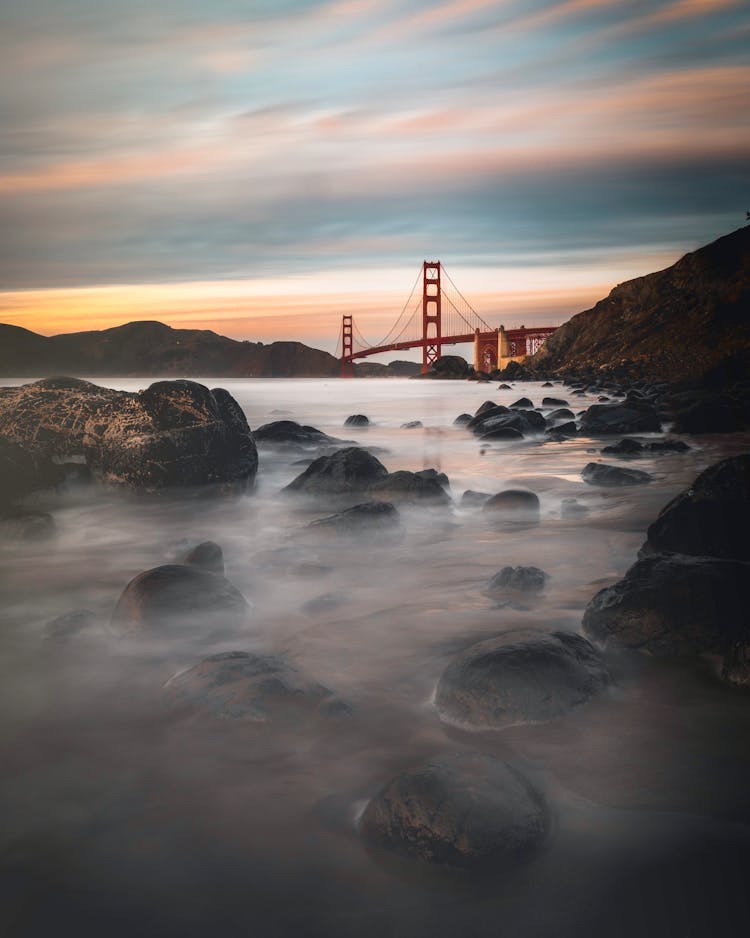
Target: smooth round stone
x=514 y=502
x=465 y=811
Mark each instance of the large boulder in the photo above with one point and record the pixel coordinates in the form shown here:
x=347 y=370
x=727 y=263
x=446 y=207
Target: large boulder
x=23 y=471
x=465 y=811
x=711 y=518
x=524 y=422
x=179 y=599
x=599 y=473
x=345 y=472
x=674 y=605
x=175 y=433
x=519 y=677
x=631 y=416
x=238 y=685
x=405 y=486
x=289 y=434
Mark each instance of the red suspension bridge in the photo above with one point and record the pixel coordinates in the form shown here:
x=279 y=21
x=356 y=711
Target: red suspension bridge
x=438 y=315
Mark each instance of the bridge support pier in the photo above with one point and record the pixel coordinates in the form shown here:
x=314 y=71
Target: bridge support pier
x=347 y=346
x=431 y=324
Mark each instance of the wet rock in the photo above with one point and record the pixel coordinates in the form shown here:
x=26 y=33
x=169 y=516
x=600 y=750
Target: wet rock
x=464 y=811
x=471 y=499
x=547 y=384
x=440 y=477
x=504 y=387
x=177 y=599
x=674 y=605
x=523 y=403
x=516 y=579
x=486 y=407
x=207 y=555
x=519 y=677
x=599 y=473
x=286 y=433
x=514 y=502
x=502 y=433
x=347 y=471
x=405 y=486
x=462 y=420
x=562 y=413
x=626 y=447
x=713 y=413
x=711 y=518
x=69 y=625
x=23 y=471
x=19 y=524
x=524 y=421
x=238 y=685
x=563 y=431
x=554 y=402
x=622 y=418
x=412 y=425
x=357 y=420
x=629 y=448
x=366 y=518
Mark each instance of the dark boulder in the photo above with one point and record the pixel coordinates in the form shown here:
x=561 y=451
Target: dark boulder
x=547 y=384
x=674 y=605
x=207 y=555
x=711 y=518
x=519 y=677
x=487 y=406
x=357 y=420
x=523 y=402
x=347 y=471
x=502 y=433
x=563 y=431
x=626 y=447
x=367 y=518
x=175 y=433
x=440 y=477
x=562 y=413
x=629 y=448
x=524 y=421
x=516 y=371
x=624 y=418
x=288 y=433
x=412 y=425
x=504 y=387
x=462 y=420
x=23 y=471
x=465 y=811
x=450 y=366
x=471 y=499
x=599 y=473
x=484 y=413
x=516 y=579
x=177 y=599
x=405 y=486
x=514 y=503
x=238 y=685
x=554 y=402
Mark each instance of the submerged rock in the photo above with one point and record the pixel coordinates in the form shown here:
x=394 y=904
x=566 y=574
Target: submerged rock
x=405 y=486
x=514 y=502
x=632 y=416
x=238 y=685
x=462 y=420
x=366 y=518
x=288 y=433
x=69 y=624
x=519 y=677
x=599 y=473
x=207 y=555
x=178 y=598
x=518 y=579
x=357 y=420
x=465 y=811
x=471 y=499
x=412 y=425
x=711 y=518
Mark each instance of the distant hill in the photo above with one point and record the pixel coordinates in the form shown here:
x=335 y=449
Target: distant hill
x=152 y=348
x=684 y=323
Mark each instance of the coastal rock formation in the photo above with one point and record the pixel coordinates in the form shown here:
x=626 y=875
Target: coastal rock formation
x=238 y=685
x=516 y=579
x=347 y=471
x=632 y=416
x=677 y=324
x=175 y=433
x=519 y=677
x=179 y=599
x=465 y=811
x=288 y=433
x=23 y=471
x=711 y=518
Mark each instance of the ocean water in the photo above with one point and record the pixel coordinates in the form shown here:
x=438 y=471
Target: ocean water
x=125 y=816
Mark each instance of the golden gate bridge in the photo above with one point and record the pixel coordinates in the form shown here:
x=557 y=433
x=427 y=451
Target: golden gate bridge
x=439 y=314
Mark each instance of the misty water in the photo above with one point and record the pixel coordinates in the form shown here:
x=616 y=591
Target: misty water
x=123 y=815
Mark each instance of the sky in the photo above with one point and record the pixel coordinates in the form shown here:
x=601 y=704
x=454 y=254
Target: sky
x=259 y=168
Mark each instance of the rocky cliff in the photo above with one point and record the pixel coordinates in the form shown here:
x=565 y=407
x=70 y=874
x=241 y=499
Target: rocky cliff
x=684 y=323
x=152 y=348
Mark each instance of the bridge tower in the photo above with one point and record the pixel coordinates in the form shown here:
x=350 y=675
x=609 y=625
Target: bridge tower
x=347 y=347
x=431 y=324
